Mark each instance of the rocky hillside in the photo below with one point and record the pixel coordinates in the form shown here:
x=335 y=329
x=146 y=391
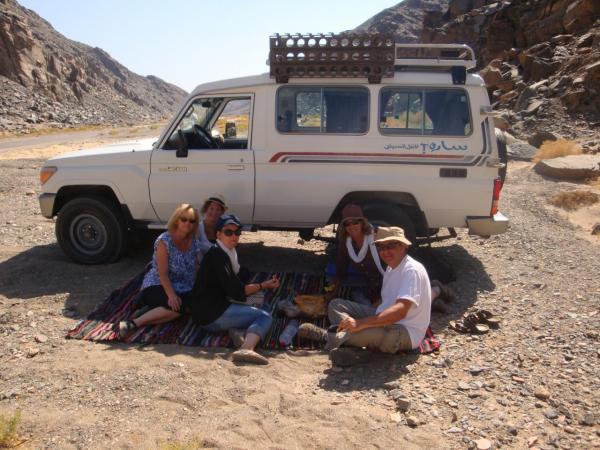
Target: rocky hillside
x=47 y=80
x=540 y=58
x=405 y=20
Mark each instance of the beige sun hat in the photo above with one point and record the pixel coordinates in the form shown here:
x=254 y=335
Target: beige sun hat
x=388 y=234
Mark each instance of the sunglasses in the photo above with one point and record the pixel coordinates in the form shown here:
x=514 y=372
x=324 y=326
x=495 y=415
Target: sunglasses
x=351 y=222
x=185 y=219
x=391 y=246
x=230 y=233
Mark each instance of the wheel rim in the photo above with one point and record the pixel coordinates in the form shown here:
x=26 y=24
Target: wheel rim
x=88 y=234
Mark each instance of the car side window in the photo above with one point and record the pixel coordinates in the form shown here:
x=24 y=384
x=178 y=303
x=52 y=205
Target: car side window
x=414 y=111
x=318 y=110
x=233 y=121
x=213 y=123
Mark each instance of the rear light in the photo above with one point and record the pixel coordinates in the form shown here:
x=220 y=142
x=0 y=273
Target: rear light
x=496 y=196
x=46 y=173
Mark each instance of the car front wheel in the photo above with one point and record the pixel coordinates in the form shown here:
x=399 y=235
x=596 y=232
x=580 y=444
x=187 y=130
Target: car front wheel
x=91 y=230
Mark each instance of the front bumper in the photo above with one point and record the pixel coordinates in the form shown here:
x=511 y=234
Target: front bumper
x=47 y=204
x=487 y=226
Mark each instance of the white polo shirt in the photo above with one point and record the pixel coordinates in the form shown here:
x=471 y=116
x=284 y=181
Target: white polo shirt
x=409 y=281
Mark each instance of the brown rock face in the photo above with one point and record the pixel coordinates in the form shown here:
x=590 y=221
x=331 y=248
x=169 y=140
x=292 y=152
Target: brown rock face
x=49 y=80
x=549 y=52
x=20 y=55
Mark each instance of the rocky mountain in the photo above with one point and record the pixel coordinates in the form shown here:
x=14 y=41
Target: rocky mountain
x=404 y=20
x=539 y=58
x=48 y=80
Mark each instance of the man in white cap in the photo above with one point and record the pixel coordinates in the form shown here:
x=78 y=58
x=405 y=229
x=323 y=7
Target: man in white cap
x=401 y=319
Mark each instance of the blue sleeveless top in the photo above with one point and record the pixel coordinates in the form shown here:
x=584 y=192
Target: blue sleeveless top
x=182 y=265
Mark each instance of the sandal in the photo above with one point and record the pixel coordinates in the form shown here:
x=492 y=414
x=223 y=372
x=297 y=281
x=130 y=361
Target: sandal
x=458 y=326
x=487 y=318
x=478 y=322
x=248 y=356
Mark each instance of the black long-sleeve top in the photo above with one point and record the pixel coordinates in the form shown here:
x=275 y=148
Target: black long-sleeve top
x=367 y=268
x=215 y=284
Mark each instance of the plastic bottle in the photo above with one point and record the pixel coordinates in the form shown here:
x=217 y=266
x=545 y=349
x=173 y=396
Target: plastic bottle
x=288 y=333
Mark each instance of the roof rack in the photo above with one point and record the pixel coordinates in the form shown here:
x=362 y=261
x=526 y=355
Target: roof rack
x=346 y=55
x=443 y=56
x=354 y=55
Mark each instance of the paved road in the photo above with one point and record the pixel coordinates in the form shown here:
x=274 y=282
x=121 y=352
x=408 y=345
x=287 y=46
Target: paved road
x=71 y=137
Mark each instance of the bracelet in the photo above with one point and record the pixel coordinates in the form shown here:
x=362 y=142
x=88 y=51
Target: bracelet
x=260 y=286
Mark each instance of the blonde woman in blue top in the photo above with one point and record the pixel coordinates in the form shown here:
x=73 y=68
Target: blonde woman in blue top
x=177 y=254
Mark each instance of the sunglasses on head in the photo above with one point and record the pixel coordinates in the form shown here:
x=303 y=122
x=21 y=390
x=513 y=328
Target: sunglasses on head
x=230 y=233
x=390 y=246
x=185 y=219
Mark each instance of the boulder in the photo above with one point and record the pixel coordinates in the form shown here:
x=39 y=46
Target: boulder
x=540 y=137
x=533 y=106
x=572 y=167
x=492 y=76
x=524 y=98
x=520 y=151
x=505 y=98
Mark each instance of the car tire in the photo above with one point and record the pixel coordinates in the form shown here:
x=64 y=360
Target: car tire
x=91 y=230
x=502 y=154
x=388 y=215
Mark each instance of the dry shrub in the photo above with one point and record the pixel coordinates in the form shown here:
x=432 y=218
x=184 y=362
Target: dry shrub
x=574 y=199
x=8 y=430
x=554 y=149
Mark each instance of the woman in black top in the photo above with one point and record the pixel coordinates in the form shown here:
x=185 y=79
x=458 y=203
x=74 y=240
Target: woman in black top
x=218 y=291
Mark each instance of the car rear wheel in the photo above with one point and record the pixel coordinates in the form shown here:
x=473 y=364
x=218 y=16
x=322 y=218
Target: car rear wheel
x=388 y=215
x=91 y=230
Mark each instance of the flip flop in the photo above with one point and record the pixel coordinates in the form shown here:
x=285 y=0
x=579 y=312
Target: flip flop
x=487 y=318
x=481 y=328
x=457 y=326
x=493 y=322
x=478 y=322
x=248 y=356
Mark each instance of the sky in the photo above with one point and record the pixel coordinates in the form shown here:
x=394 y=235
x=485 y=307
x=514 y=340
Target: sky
x=197 y=41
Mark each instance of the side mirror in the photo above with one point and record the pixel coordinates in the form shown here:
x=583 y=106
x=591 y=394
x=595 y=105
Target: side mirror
x=182 y=148
x=230 y=130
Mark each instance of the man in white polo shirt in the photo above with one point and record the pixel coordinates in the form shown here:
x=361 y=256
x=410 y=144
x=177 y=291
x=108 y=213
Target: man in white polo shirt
x=402 y=318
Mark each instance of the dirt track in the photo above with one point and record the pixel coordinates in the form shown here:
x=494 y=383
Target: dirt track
x=532 y=382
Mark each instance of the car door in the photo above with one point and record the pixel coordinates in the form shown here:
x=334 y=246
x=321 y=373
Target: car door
x=188 y=166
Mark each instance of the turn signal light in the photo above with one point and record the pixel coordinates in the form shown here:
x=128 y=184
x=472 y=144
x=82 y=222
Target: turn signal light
x=496 y=196
x=46 y=173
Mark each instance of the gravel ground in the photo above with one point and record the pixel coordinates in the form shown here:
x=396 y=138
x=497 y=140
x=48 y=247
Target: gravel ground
x=531 y=383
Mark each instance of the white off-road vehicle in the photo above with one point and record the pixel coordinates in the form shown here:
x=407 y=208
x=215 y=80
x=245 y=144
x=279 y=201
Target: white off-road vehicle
x=403 y=130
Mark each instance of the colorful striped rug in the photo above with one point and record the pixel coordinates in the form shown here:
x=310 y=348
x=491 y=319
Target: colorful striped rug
x=100 y=325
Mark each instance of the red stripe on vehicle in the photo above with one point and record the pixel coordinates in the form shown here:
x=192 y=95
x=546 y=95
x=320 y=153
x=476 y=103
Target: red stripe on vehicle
x=279 y=155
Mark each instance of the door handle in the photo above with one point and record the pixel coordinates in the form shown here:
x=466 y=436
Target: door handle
x=495 y=163
x=236 y=166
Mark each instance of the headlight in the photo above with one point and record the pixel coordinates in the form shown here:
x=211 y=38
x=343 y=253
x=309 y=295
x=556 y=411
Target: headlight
x=46 y=173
